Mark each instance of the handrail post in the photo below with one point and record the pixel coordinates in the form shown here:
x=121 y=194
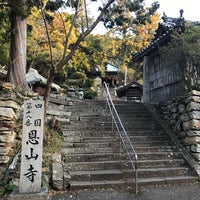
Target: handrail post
x=136 y=179
x=112 y=125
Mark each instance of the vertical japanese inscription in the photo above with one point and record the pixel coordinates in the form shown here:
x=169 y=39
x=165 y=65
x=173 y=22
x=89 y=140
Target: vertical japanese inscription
x=32 y=147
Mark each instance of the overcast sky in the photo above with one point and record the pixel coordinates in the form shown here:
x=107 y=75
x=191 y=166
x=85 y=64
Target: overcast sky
x=172 y=7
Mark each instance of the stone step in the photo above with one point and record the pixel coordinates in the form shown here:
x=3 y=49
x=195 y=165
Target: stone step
x=148 y=137
x=86 y=133
x=108 y=139
x=167 y=180
x=130 y=183
x=135 y=114
x=91 y=175
x=68 y=131
x=152 y=143
x=122 y=164
x=112 y=142
x=90 y=157
x=88 y=150
x=98 y=142
x=104 y=136
x=159 y=155
x=152 y=149
x=109 y=154
x=126 y=124
x=91 y=150
x=95 y=145
x=85 y=127
x=114 y=184
x=132 y=107
x=108 y=127
x=82 y=139
x=161 y=163
x=124 y=117
x=117 y=174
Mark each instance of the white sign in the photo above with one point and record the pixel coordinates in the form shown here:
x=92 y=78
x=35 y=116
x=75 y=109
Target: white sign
x=32 y=147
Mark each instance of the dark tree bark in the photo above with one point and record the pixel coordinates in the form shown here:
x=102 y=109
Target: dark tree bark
x=17 y=68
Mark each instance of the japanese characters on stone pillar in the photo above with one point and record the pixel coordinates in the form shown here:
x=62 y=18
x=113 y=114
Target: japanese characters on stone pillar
x=32 y=147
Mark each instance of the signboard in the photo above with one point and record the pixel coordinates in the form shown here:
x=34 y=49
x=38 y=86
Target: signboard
x=32 y=147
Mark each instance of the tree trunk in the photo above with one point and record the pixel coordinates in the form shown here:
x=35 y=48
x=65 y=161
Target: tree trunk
x=48 y=88
x=17 y=69
x=67 y=57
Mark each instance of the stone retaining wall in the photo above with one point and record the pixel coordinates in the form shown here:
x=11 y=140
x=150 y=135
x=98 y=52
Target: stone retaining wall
x=183 y=116
x=10 y=114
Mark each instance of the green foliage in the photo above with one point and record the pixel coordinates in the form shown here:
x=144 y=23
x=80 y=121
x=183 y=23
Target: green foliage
x=76 y=83
x=4 y=34
x=79 y=75
x=89 y=94
x=53 y=138
x=6 y=188
x=92 y=53
x=184 y=49
x=121 y=12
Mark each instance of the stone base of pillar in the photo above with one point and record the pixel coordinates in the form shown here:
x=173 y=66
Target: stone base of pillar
x=43 y=195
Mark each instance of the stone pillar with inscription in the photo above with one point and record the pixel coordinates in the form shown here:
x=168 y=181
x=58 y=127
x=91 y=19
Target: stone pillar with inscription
x=31 y=154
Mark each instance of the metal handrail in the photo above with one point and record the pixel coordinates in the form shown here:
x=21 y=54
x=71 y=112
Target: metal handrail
x=122 y=134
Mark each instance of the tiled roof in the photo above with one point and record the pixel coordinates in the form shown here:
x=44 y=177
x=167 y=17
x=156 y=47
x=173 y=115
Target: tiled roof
x=122 y=90
x=162 y=34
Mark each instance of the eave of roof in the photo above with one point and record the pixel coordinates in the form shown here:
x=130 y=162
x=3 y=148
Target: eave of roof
x=152 y=46
x=121 y=91
x=161 y=38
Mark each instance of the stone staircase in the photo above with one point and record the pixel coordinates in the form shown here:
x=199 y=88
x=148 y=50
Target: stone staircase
x=93 y=158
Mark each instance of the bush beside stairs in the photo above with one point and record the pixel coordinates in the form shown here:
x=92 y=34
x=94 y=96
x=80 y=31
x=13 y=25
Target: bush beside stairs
x=93 y=158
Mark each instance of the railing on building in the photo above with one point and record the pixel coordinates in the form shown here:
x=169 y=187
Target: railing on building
x=125 y=141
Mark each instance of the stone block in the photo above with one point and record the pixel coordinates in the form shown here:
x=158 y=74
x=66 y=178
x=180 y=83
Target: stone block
x=63 y=120
x=57 y=158
x=173 y=110
x=43 y=195
x=181 y=134
x=194 y=93
x=195 y=148
x=193 y=106
x=192 y=124
x=10 y=104
x=192 y=140
x=7 y=113
x=67 y=179
x=194 y=115
x=57 y=176
x=4 y=159
x=193 y=133
x=59 y=113
x=183 y=117
x=196 y=156
x=5 y=150
x=193 y=98
x=181 y=108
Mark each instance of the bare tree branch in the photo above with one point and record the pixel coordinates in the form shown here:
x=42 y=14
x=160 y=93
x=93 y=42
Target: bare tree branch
x=47 y=32
x=86 y=16
x=84 y=34
x=71 y=28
